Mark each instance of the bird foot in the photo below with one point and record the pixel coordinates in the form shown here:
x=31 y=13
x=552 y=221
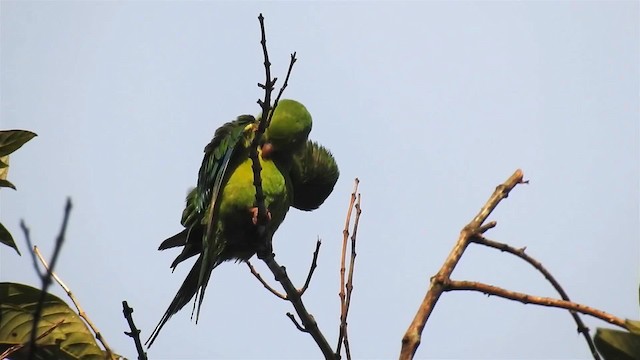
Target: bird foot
x=254 y=212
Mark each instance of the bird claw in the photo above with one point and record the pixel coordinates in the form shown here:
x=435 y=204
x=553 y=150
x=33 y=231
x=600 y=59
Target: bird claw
x=254 y=218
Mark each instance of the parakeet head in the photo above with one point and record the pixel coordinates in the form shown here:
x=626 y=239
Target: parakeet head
x=289 y=128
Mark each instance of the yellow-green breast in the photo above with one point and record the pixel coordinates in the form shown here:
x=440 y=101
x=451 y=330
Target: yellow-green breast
x=239 y=194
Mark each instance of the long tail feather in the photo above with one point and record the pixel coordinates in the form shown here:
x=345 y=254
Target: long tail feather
x=184 y=295
x=191 y=240
x=179 y=239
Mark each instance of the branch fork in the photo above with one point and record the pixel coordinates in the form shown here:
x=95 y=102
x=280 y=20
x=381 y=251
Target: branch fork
x=473 y=233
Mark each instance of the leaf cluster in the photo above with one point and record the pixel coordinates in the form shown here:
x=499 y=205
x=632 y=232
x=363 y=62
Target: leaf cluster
x=10 y=141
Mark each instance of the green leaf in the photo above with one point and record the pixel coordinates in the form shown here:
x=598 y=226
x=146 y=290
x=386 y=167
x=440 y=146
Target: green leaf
x=70 y=340
x=4 y=170
x=12 y=140
x=617 y=345
x=7 y=239
x=7 y=183
x=633 y=326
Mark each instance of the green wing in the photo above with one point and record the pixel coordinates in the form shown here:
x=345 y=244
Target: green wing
x=218 y=153
x=199 y=214
x=313 y=175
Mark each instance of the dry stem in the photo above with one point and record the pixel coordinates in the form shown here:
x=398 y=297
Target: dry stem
x=582 y=328
x=301 y=291
x=344 y=303
x=452 y=285
x=75 y=302
x=46 y=277
x=309 y=324
x=284 y=85
x=312 y=269
x=255 y=273
x=347 y=348
x=135 y=332
x=412 y=337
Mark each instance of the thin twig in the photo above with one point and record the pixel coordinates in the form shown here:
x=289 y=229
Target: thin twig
x=27 y=236
x=265 y=105
x=285 y=84
x=343 y=260
x=265 y=120
x=17 y=347
x=412 y=337
x=46 y=278
x=454 y=285
x=350 y=277
x=255 y=273
x=314 y=265
x=75 y=302
x=296 y=323
x=582 y=328
x=308 y=321
x=135 y=332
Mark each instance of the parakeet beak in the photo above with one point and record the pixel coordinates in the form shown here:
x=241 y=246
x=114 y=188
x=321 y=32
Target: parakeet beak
x=267 y=150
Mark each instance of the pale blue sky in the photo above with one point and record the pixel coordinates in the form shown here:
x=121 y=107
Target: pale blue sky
x=430 y=104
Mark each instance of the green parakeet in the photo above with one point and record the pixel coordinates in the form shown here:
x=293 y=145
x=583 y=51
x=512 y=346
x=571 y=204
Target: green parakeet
x=220 y=213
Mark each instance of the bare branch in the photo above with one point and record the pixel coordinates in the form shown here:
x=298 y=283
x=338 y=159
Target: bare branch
x=286 y=82
x=253 y=148
x=350 y=277
x=46 y=278
x=265 y=120
x=135 y=332
x=343 y=261
x=412 y=337
x=265 y=251
x=75 y=302
x=314 y=265
x=255 y=273
x=27 y=237
x=453 y=285
x=308 y=321
x=582 y=328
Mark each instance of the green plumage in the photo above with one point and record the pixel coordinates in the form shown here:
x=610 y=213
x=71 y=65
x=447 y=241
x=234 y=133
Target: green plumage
x=219 y=215
x=313 y=175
